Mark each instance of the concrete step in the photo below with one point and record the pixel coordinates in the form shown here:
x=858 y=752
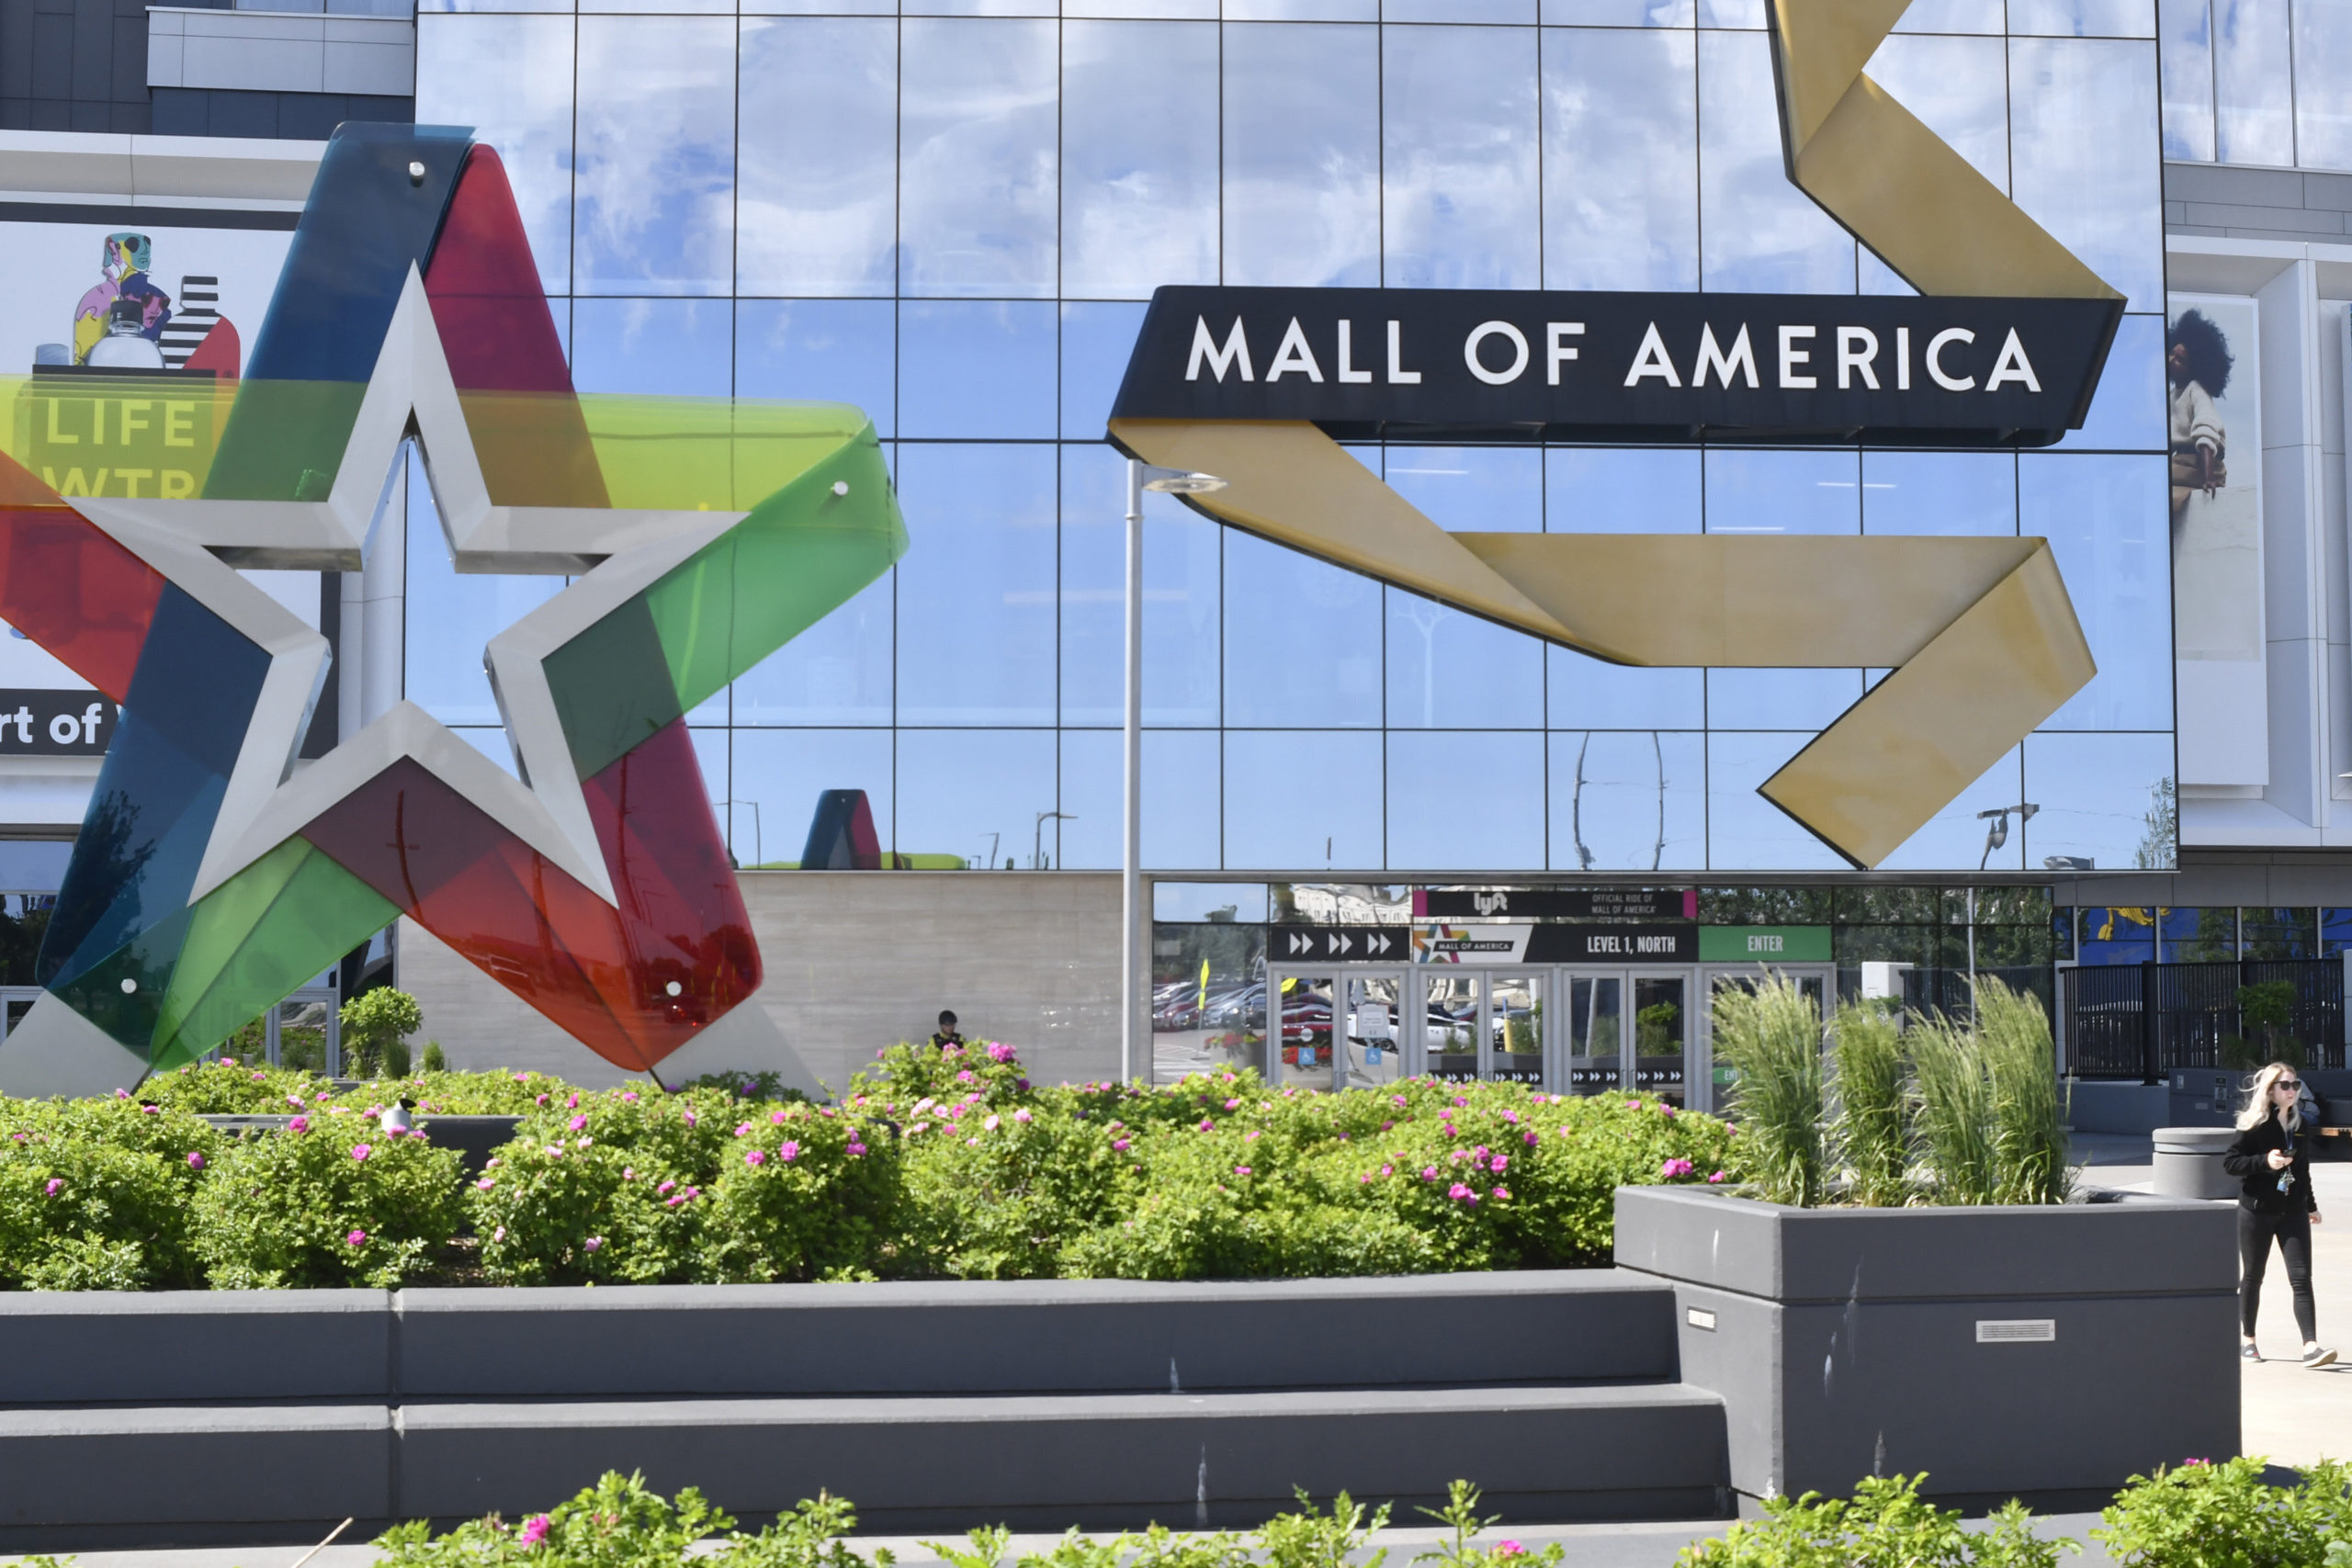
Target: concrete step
x=1102 y=1462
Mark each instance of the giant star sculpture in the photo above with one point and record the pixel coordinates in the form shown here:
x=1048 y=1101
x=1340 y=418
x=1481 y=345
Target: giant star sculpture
x=213 y=875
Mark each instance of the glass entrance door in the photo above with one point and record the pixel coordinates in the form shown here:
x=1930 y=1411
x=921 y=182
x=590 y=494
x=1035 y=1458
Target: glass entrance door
x=1515 y=1029
x=1450 y=1022
x=1303 y=1053
x=1661 y=1029
x=1371 y=1048
x=1593 y=1030
x=1709 y=1081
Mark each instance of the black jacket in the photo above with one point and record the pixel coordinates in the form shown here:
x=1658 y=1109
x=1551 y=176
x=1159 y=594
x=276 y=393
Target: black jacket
x=2260 y=1193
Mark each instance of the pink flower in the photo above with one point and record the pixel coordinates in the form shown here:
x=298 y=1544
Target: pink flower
x=775 y=1119
x=122 y=1094
x=195 y=1160
x=999 y=1053
x=1511 y=1116
x=522 y=1078
x=991 y=1124
x=1676 y=1167
x=628 y=1096
x=1720 y=1177
x=50 y=1191
x=754 y=1158
x=1207 y=1125
x=295 y=1100
x=964 y=1076
x=572 y=1103
x=1023 y=1115
x=1632 y=1105
x=541 y=1099
x=690 y=1115
x=357 y=1238
x=1530 y=1136
x=1510 y=1549
x=361 y=1151
x=1499 y=1164
x=856 y=1149
x=1240 y=1171
x=1397 y=1098
x=1459 y=1100
x=150 y=1110
x=594 y=1242
x=1428 y=1173
x=300 y=1124
x=498 y=1235
x=578 y=1123
x=486 y=1183
x=1387 y=1170
x=1502 y=1192
x=664 y=1187
x=1119 y=1145
x=629 y=1173
x=1386 y=1125
x=1233 y=1105
x=789 y=1152
x=535 y=1530
x=1458 y=1192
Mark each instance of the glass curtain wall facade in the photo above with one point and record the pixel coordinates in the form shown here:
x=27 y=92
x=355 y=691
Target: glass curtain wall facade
x=955 y=221
x=2261 y=82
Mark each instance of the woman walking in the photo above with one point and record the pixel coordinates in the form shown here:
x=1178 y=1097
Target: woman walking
x=2272 y=1158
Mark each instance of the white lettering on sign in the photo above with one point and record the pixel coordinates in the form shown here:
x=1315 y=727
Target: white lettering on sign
x=1768 y=944
x=1741 y=359
x=1293 y=355
x=1560 y=352
x=1237 y=346
x=2015 y=1330
x=1348 y=371
x=1944 y=378
x=1479 y=334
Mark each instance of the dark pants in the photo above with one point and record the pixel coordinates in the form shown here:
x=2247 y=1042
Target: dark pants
x=2294 y=1234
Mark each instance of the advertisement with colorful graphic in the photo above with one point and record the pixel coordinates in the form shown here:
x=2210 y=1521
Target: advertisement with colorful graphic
x=2211 y=377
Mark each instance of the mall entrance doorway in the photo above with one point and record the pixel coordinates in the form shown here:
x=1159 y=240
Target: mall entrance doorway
x=1570 y=1029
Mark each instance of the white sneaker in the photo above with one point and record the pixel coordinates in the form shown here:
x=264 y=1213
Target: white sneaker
x=2316 y=1357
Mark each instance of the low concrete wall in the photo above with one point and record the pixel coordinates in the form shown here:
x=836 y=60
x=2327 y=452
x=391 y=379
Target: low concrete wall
x=1852 y=1342
x=855 y=961
x=2096 y=1105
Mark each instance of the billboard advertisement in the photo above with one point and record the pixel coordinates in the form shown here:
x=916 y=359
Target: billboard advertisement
x=2210 y=383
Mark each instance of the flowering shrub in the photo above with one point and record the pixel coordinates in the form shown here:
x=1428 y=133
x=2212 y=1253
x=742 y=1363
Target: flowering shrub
x=2227 y=1515
x=1887 y=1524
x=94 y=1194
x=803 y=1192
x=232 y=1087
x=334 y=1199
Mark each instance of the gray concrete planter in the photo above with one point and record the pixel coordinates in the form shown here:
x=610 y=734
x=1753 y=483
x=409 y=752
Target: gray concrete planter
x=2048 y=1353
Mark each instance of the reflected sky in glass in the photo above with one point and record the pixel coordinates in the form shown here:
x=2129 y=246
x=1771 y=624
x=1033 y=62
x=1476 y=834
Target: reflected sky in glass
x=1746 y=831
x=1461 y=137
x=1302 y=801
x=2084 y=18
x=778 y=776
x=1617 y=13
x=1139 y=157
x=976 y=586
x=2322 y=87
x=1301 y=639
x=1446 y=668
x=1792 y=699
x=510 y=78
x=2128 y=409
x=829 y=350
x=1954 y=16
x=656 y=180
x=1784 y=492
x=2095 y=792
x=1640 y=490
x=1621 y=159
x=838 y=671
x=1942 y=494
x=2109 y=524
x=978 y=173
x=819 y=106
x=1960 y=87
x=1302 y=156
x=980 y=368
x=451 y=618
x=1477 y=489
x=1760 y=235
x=1953 y=837
x=1097 y=339
x=2082 y=123
x=2252 y=123
x=2184 y=35
x=1179 y=799
x=1466 y=798
x=976 y=792
x=1585 y=692
x=1629 y=801
x=676 y=347
x=1181 y=565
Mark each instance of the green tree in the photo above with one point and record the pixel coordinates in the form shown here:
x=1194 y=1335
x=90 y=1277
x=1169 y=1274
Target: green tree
x=376 y=1027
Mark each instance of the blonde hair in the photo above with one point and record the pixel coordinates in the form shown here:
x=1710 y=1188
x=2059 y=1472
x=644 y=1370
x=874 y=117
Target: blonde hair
x=2257 y=1101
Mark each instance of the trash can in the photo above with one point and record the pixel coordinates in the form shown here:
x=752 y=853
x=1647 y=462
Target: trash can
x=2188 y=1162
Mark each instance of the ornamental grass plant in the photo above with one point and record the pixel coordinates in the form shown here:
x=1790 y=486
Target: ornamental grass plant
x=1770 y=1036
x=1953 y=1112
x=1869 y=1132
x=2028 y=1110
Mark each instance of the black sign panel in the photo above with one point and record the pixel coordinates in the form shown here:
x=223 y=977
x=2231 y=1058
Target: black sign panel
x=1344 y=944
x=1551 y=904
x=1459 y=363
x=1613 y=944
x=39 y=723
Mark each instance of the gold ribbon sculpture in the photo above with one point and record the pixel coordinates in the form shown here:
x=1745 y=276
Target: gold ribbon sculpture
x=1979 y=632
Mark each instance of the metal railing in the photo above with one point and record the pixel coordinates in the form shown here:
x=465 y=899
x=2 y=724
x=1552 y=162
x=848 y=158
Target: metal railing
x=2142 y=1020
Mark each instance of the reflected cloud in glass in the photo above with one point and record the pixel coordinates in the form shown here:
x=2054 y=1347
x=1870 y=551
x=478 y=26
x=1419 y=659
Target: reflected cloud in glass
x=2109 y=524
x=1621 y=159
x=2082 y=124
x=841 y=350
x=2185 y=41
x=1605 y=489
x=1302 y=156
x=676 y=347
x=656 y=180
x=1301 y=639
x=1959 y=87
x=1759 y=234
x=1180 y=599
x=2096 y=794
x=977 y=585
x=2253 y=119
x=510 y=79
x=2322 y=87
x=1629 y=801
x=978 y=172
x=1461 y=138
x=2084 y=18
x=1139 y=157
x=819 y=104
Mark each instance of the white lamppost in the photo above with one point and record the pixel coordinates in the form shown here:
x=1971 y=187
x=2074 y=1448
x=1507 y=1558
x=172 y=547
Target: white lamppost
x=1995 y=837
x=1141 y=477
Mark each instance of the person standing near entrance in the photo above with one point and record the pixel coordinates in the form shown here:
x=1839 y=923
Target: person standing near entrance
x=947 y=1036
x=2272 y=1158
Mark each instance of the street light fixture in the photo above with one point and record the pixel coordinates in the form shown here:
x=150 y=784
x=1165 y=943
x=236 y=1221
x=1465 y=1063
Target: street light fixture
x=1037 y=839
x=1996 y=836
x=1141 y=477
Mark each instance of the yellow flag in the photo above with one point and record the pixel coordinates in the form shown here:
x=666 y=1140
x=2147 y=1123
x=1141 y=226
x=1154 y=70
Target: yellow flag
x=1204 y=983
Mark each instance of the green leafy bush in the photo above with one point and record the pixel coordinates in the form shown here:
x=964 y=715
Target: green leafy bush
x=2227 y=1516
x=94 y=1194
x=1886 y=1525
x=233 y=1087
x=334 y=1199
x=376 y=1027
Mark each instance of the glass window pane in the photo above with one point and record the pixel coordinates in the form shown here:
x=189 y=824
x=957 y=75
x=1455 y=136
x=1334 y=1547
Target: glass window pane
x=1629 y=802
x=2279 y=934
x=1302 y=156
x=1302 y=641
x=1954 y=17
x=1218 y=903
x=451 y=618
x=2184 y=31
x=2109 y=524
x=1759 y=234
x=1781 y=699
x=1460 y=139
x=977 y=794
x=1784 y=492
x=657 y=155
x=1302 y=800
x=1461 y=798
x=1617 y=13
x=2083 y=18
x=841 y=350
x=1096 y=341
x=1448 y=669
x=1959 y=87
x=2197 y=936
x=1598 y=489
x=975 y=587
x=2322 y=87
x=977 y=177
x=1180 y=599
x=1139 y=155
x=978 y=369
x=676 y=347
x=769 y=804
x=2119 y=935
x=838 y=671
x=1179 y=799
x=2251 y=68
x=1620 y=158
x=1941 y=493
x=1744 y=830
x=1585 y=691
x=2081 y=116
x=2334 y=931
x=2106 y=802
x=1491 y=490
x=2126 y=412
x=1956 y=839
x=510 y=79
x=819 y=107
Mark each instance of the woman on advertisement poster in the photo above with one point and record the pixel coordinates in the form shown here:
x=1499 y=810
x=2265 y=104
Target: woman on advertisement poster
x=2216 y=559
